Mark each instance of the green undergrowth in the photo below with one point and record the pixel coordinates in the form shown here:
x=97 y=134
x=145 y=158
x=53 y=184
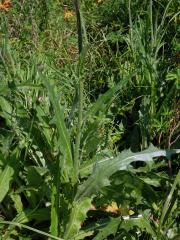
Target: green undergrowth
x=89 y=120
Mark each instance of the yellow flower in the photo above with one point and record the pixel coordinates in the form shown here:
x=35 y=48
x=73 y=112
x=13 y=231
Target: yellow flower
x=68 y=14
x=5 y=5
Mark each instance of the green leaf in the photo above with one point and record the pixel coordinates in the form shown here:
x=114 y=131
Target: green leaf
x=17 y=202
x=77 y=216
x=127 y=186
x=168 y=206
x=90 y=139
x=103 y=102
x=140 y=222
x=82 y=234
x=67 y=166
x=55 y=200
x=87 y=166
x=64 y=166
x=110 y=229
x=33 y=177
x=6 y=177
x=7 y=111
x=47 y=131
x=41 y=233
x=41 y=214
x=128 y=224
x=104 y=168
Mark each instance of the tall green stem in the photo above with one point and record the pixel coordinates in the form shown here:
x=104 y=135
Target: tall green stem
x=79 y=25
x=80 y=88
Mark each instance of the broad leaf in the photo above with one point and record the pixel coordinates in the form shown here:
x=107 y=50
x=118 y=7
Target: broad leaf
x=128 y=224
x=106 y=167
x=110 y=229
x=140 y=222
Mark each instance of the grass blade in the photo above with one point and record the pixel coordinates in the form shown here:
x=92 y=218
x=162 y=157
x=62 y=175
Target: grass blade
x=20 y=225
x=55 y=201
x=169 y=199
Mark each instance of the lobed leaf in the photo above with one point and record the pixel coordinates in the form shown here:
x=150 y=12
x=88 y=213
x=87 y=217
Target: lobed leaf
x=110 y=229
x=104 y=168
x=127 y=223
x=78 y=215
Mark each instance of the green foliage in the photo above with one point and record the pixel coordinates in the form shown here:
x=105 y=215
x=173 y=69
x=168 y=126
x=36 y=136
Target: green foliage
x=78 y=215
x=6 y=177
x=76 y=131
x=127 y=225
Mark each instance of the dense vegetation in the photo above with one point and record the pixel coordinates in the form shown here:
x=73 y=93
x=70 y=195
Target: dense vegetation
x=86 y=105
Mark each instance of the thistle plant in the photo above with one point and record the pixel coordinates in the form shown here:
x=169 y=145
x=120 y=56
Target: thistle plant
x=62 y=176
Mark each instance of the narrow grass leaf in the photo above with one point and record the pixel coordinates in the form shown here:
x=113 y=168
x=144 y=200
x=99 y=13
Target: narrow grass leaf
x=41 y=233
x=166 y=209
x=42 y=214
x=55 y=201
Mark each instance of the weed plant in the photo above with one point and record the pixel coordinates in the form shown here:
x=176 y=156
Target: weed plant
x=87 y=89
